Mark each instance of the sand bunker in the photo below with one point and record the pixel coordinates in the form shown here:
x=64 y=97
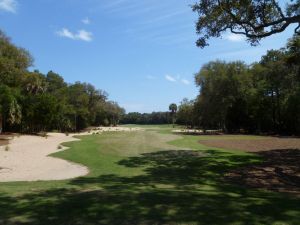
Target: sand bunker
x=27 y=158
x=115 y=129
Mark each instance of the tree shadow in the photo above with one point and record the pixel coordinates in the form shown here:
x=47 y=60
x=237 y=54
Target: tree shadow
x=279 y=171
x=177 y=187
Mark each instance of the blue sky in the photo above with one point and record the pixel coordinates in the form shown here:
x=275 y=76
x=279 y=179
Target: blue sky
x=142 y=52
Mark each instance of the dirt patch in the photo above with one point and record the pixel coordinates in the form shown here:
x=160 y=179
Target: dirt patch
x=5 y=138
x=280 y=169
x=255 y=145
x=279 y=172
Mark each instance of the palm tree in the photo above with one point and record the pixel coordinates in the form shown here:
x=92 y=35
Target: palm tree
x=173 y=110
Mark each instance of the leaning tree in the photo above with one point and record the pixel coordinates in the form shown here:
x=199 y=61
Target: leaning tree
x=255 y=19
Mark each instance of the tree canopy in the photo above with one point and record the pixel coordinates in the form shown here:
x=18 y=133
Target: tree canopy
x=31 y=101
x=254 y=19
x=261 y=97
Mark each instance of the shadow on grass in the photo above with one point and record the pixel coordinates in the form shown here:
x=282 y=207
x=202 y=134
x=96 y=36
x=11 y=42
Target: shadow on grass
x=178 y=187
x=279 y=171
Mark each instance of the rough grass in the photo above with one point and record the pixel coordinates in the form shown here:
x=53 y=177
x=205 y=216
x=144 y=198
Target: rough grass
x=147 y=177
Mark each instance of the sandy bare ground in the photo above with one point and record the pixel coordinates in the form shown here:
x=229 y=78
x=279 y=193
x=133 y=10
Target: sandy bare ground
x=196 y=132
x=27 y=158
x=3 y=142
x=115 y=129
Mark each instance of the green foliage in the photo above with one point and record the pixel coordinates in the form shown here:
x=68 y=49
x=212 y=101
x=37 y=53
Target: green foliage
x=10 y=110
x=185 y=114
x=262 y=97
x=146 y=118
x=14 y=62
x=173 y=108
x=223 y=88
x=33 y=102
x=254 y=19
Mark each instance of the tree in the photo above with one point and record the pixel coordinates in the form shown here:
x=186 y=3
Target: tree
x=32 y=101
x=14 y=62
x=55 y=82
x=223 y=87
x=10 y=110
x=34 y=83
x=255 y=19
x=173 y=110
x=185 y=114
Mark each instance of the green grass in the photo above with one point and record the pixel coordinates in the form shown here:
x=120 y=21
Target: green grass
x=147 y=177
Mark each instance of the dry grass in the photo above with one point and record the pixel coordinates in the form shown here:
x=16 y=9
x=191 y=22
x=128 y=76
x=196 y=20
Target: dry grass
x=280 y=169
x=255 y=145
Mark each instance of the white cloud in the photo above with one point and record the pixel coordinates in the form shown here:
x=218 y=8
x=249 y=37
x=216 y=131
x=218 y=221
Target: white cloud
x=185 y=81
x=234 y=37
x=66 y=33
x=81 y=35
x=170 y=78
x=84 y=35
x=8 y=5
x=86 y=21
x=177 y=79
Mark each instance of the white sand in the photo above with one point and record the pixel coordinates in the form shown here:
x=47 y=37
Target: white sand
x=27 y=160
x=116 y=129
x=28 y=157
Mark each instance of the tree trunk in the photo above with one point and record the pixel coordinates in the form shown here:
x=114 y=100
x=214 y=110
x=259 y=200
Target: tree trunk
x=273 y=111
x=278 y=110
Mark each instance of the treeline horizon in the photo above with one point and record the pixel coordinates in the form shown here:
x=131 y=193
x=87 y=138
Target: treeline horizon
x=262 y=97
x=31 y=102
x=146 y=118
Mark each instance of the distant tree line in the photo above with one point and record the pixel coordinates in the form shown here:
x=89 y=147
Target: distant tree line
x=32 y=101
x=147 y=118
x=256 y=98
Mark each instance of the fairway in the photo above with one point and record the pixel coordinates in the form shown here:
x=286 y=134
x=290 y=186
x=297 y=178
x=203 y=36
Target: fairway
x=147 y=177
